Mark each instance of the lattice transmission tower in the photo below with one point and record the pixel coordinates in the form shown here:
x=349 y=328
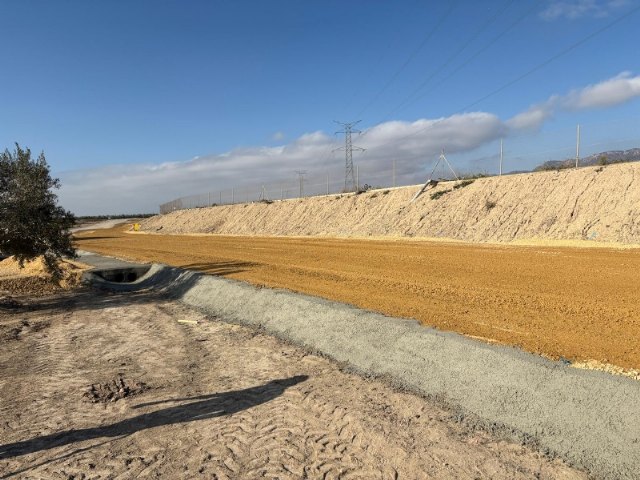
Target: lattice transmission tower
x=349 y=177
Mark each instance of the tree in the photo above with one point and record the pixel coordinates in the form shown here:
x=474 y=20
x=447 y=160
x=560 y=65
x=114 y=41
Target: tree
x=31 y=222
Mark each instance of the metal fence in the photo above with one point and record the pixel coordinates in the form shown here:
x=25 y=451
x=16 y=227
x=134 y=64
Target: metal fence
x=398 y=174
x=411 y=171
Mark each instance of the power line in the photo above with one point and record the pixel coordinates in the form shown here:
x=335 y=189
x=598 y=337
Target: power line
x=477 y=53
x=371 y=70
x=406 y=101
x=451 y=58
x=409 y=59
x=560 y=54
x=531 y=71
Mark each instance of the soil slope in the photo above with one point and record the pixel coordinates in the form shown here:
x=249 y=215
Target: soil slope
x=592 y=203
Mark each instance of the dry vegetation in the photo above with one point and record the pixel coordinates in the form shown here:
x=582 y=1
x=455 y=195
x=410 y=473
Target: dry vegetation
x=34 y=278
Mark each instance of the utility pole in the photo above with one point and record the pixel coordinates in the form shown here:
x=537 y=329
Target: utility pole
x=301 y=174
x=432 y=183
x=394 y=173
x=501 y=154
x=350 y=183
x=233 y=196
x=327 y=184
x=577 y=145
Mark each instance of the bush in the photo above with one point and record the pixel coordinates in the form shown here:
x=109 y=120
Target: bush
x=437 y=195
x=489 y=204
x=31 y=222
x=463 y=183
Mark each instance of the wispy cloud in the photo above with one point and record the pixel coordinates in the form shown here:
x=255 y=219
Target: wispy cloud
x=613 y=91
x=574 y=9
x=278 y=136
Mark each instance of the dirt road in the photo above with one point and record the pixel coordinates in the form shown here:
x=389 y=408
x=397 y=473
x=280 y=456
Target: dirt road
x=580 y=304
x=211 y=400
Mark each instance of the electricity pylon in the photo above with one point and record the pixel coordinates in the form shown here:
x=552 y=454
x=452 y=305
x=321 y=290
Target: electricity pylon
x=349 y=177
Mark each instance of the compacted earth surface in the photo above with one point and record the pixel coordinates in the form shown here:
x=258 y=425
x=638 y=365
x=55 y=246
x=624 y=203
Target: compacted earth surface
x=96 y=385
x=579 y=304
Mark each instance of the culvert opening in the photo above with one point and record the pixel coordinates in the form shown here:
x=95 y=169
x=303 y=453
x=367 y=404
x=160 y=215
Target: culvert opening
x=122 y=275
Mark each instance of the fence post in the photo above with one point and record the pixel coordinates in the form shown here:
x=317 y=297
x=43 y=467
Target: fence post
x=501 y=154
x=394 y=172
x=577 y=145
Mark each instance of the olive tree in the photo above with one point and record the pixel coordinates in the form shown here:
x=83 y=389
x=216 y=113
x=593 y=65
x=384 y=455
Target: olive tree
x=31 y=222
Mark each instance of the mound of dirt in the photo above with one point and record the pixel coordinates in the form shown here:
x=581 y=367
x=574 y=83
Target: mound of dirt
x=34 y=278
x=113 y=391
x=591 y=203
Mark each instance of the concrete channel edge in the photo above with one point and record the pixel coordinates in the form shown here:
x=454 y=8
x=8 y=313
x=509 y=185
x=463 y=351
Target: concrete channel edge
x=589 y=418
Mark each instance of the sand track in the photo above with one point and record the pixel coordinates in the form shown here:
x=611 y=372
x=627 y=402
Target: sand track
x=224 y=401
x=580 y=304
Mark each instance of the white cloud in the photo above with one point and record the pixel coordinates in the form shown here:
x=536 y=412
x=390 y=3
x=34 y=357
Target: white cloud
x=616 y=90
x=575 y=9
x=142 y=187
x=278 y=136
x=414 y=145
x=531 y=119
x=613 y=91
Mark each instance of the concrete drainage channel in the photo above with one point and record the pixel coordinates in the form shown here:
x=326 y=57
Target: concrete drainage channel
x=122 y=275
x=589 y=418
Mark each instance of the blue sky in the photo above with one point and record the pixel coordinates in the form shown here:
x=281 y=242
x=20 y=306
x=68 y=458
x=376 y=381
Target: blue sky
x=144 y=101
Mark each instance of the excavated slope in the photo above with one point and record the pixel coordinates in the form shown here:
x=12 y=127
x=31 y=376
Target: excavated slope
x=592 y=203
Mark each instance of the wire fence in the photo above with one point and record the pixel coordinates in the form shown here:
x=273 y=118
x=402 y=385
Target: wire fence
x=311 y=185
x=404 y=172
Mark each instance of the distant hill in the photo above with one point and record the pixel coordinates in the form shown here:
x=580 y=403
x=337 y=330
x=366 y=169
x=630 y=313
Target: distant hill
x=602 y=158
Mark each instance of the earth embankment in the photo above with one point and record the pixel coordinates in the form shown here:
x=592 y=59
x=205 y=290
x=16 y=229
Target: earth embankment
x=592 y=203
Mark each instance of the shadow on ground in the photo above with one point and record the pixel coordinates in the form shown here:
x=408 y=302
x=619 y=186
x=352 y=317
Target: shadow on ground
x=198 y=408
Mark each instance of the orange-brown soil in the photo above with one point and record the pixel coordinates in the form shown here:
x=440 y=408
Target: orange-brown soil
x=581 y=304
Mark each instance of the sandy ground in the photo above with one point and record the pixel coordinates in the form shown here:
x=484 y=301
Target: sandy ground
x=590 y=204
x=102 y=224
x=33 y=276
x=211 y=400
x=579 y=304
